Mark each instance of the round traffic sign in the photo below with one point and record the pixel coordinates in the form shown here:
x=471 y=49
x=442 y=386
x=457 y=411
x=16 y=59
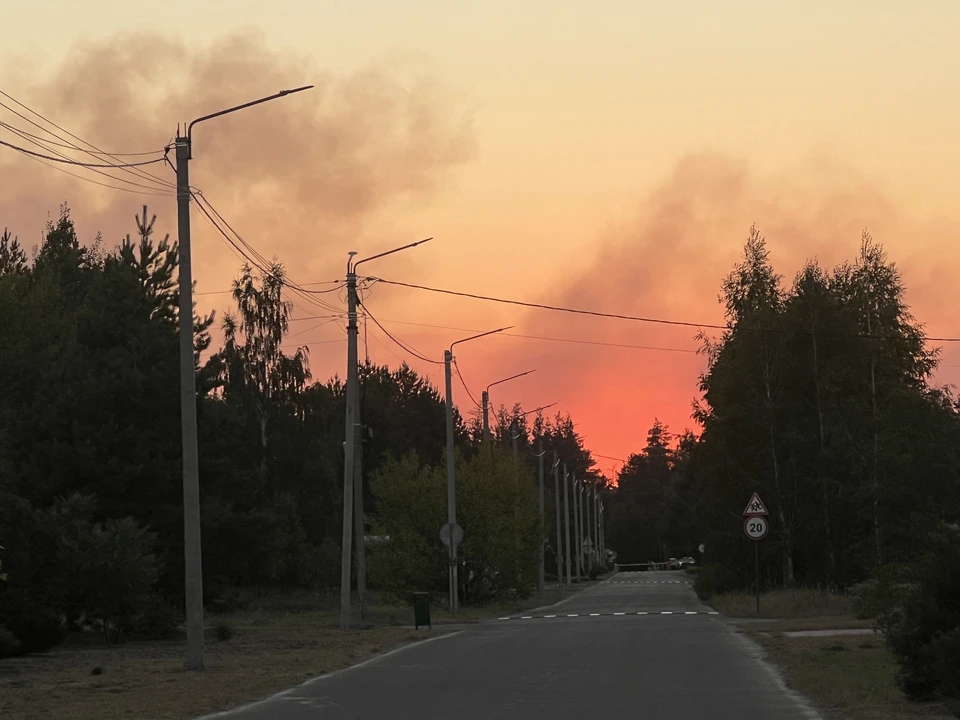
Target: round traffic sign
x=445 y=534
x=756 y=527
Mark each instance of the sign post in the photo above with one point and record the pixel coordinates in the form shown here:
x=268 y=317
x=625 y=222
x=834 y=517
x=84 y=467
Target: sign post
x=756 y=528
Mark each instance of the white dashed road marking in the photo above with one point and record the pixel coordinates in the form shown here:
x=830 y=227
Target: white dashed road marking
x=611 y=614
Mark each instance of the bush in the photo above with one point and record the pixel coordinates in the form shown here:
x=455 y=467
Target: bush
x=223 y=630
x=712 y=578
x=158 y=620
x=109 y=571
x=9 y=645
x=886 y=591
x=923 y=627
x=37 y=627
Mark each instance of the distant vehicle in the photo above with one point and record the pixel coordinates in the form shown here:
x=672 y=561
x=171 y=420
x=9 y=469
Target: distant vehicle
x=686 y=562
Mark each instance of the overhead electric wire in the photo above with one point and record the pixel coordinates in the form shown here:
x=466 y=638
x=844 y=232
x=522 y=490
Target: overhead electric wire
x=261 y=263
x=250 y=254
x=70 y=146
x=313 y=327
x=227 y=292
x=550 y=339
x=636 y=318
x=42 y=158
x=68 y=161
x=158 y=193
x=136 y=171
x=464 y=383
x=386 y=332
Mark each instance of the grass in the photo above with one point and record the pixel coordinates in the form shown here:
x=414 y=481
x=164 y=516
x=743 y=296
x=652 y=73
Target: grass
x=785 y=604
x=279 y=640
x=851 y=677
x=147 y=680
x=323 y=609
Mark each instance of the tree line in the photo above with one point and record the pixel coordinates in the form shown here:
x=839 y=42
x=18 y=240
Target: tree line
x=819 y=396
x=90 y=458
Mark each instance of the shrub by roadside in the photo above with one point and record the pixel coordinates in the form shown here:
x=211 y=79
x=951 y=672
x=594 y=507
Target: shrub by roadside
x=921 y=620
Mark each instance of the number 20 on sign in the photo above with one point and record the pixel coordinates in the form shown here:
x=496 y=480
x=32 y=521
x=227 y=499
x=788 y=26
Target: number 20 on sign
x=756 y=527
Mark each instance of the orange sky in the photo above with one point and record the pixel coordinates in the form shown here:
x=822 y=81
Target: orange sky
x=610 y=158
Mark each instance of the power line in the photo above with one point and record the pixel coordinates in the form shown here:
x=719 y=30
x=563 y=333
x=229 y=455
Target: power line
x=258 y=260
x=67 y=161
x=464 y=383
x=38 y=157
x=69 y=146
x=551 y=339
x=319 y=282
x=136 y=172
x=398 y=342
x=636 y=318
x=101 y=184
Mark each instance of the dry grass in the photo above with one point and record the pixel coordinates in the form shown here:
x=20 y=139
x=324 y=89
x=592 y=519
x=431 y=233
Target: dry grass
x=785 y=604
x=800 y=624
x=280 y=640
x=323 y=609
x=851 y=677
x=147 y=680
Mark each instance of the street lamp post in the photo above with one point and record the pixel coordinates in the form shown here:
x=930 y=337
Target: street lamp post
x=451 y=463
x=192 y=554
x=485 y=401
x=556 y=503
x=353 y=518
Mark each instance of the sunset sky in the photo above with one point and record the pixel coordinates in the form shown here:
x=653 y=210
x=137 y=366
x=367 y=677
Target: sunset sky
x=609 y=157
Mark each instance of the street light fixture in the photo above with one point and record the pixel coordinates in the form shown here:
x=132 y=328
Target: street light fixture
x=451 y=471
x=193 y=570
x=485 y=398
x=353 y=518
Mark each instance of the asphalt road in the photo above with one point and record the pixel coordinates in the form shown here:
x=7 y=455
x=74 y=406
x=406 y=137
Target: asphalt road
x=639 y=645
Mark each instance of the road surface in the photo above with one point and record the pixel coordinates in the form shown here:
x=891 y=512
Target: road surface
x=639 y=645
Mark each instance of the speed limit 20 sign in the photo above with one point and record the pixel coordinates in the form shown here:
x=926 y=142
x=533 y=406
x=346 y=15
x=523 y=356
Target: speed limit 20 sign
x=756 y=527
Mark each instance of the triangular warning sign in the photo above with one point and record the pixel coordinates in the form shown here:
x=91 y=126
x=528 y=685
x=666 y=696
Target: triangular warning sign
x=755 y=506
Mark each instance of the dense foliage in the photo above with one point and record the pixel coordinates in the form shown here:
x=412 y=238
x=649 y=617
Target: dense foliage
x=819 y=397
x=90 y=449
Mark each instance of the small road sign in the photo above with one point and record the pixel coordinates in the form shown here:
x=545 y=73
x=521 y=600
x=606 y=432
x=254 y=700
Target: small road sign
x=755 y=506
x=702 y=548
x=457 y=534
x=756 y=527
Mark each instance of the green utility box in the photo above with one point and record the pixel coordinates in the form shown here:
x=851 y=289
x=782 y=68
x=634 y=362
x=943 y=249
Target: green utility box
x=421 y=610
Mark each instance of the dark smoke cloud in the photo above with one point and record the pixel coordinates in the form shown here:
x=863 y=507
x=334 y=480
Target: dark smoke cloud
x=668 y=262
x=299 y=177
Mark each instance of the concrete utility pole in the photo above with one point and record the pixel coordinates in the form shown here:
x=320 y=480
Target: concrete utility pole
x=359 y=524
x=591 y=546
x=485 y=402
x=192 y=552
x=603 y=532
x=578 y=537
x=556 y=503
x=451 y=465
x=353 y=516
x=451 y=481
x=583 y=527
x=566 y=521
x=541 y=576
x=349 y=456
x=595 y=528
